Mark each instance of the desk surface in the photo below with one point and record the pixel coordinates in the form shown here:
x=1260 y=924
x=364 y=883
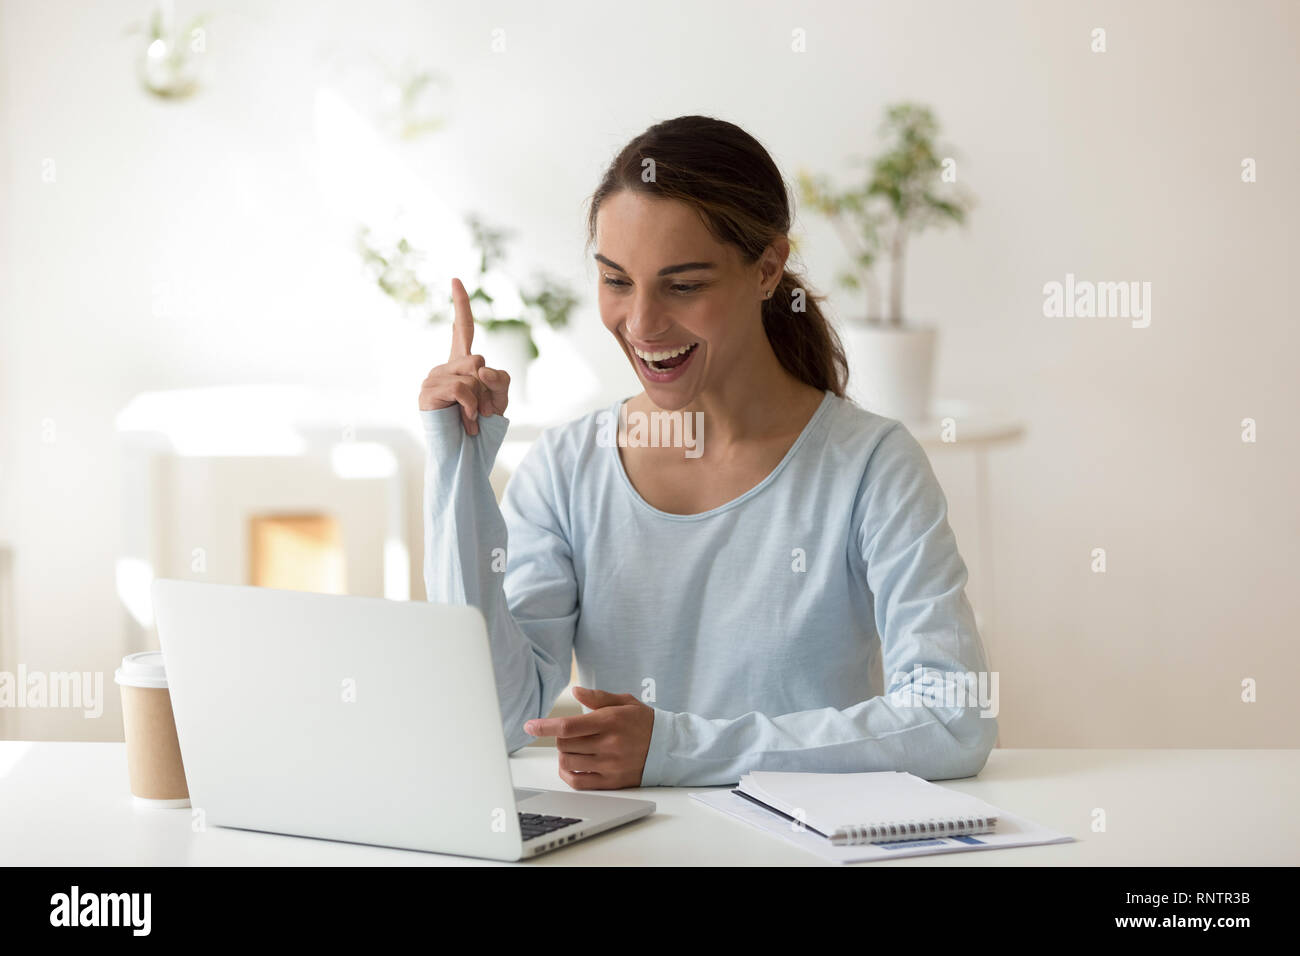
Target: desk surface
x=68 y=804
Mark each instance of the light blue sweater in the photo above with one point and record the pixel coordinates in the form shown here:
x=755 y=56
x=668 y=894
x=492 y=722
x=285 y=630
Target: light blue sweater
x=761 y=631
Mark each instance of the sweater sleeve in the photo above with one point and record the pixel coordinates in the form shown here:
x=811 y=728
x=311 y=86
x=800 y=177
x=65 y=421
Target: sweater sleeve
x=930 y=721
x=468 y=561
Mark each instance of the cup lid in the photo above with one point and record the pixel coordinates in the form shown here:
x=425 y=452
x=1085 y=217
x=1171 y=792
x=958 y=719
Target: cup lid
x=142 y=670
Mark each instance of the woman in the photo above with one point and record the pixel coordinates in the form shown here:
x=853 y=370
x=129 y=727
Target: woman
x=729 y=606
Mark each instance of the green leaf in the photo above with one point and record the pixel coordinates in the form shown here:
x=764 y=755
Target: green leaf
x=493 y=325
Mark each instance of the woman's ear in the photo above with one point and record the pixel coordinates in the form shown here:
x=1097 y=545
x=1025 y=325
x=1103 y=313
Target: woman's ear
x=772 y=263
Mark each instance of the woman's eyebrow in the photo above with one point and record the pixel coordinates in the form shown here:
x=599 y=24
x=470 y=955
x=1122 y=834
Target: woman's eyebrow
x=666 y=270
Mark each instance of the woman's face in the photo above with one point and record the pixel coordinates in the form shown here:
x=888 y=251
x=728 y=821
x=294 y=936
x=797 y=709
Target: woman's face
x=684 y=307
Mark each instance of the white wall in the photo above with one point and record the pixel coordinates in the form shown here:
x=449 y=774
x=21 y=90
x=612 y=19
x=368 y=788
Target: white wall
x=7 y=391
x=1114 y=166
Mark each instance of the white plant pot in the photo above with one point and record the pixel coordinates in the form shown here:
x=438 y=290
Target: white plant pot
x=891 y=369
x=506 y=349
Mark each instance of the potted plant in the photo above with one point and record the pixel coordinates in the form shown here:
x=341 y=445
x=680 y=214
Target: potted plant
x=504 y=340
x=171 y=61
x=909 y=188
x=411 y=107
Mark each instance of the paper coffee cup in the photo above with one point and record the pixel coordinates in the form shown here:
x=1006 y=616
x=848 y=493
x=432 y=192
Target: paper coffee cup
x=153 y=754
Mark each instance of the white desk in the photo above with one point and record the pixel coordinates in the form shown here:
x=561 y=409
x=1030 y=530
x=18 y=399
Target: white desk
x=68 y=804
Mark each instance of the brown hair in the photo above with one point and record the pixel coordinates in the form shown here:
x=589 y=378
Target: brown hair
x=730 y=179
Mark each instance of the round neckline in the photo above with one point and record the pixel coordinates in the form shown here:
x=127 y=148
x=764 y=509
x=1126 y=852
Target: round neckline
x=827 y=396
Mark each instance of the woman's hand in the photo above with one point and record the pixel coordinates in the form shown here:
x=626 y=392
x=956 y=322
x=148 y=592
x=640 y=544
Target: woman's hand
x=602 y=750
x=465 y=380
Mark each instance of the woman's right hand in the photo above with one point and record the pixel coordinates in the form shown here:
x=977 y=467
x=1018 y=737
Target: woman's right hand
x=465 y=380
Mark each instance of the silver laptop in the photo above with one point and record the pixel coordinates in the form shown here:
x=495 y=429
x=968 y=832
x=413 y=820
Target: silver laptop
x=354 y=719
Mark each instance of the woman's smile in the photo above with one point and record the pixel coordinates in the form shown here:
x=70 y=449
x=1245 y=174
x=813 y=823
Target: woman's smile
x=664 y=364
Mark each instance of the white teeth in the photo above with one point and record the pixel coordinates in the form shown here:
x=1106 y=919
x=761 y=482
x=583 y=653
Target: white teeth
x=660 y=356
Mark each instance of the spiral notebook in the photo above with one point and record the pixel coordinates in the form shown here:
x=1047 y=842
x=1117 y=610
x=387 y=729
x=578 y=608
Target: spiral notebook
x=851 y=809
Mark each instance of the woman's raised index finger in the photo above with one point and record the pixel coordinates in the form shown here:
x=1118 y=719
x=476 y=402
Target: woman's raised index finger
x=462 y=327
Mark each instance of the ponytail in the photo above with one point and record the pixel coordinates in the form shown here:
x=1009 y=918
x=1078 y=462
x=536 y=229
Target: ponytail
x=805 y=343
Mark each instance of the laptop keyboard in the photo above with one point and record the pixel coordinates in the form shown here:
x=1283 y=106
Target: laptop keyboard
x=535 y=824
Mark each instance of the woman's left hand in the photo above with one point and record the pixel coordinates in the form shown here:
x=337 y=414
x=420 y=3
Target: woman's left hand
x=602 y=750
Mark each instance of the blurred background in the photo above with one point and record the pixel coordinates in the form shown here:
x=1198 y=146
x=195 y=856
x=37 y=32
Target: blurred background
x=227 y=230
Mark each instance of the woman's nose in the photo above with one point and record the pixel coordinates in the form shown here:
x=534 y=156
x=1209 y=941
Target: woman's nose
x=643 y=319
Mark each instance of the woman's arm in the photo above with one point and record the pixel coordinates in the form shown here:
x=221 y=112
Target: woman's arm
x=928 y=637
x=465 y=563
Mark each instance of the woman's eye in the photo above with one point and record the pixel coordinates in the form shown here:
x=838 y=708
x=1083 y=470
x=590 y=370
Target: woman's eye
x=681 y=288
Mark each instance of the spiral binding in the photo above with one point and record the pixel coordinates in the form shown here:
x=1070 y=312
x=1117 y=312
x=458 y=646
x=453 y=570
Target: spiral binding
x=913 y=829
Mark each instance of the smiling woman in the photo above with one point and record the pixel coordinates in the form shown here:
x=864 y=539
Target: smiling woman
x=723 y=189
x=730 y=610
